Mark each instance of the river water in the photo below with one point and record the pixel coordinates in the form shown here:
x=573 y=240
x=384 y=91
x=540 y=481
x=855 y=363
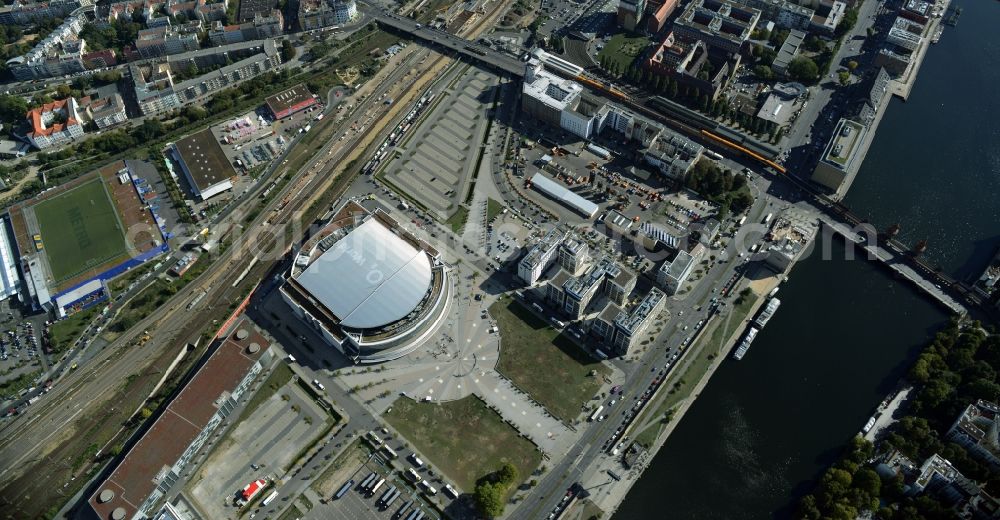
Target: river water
x=765 y=427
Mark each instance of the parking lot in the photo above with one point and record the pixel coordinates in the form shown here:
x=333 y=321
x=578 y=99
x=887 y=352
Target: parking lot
x=356 y=503
x=259 y=446
x=435 y=164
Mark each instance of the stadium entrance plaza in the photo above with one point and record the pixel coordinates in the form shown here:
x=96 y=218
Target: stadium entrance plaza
x=458 y=360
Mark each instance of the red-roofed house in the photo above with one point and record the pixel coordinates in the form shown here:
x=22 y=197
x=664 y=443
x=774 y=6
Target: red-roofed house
x=54 y=123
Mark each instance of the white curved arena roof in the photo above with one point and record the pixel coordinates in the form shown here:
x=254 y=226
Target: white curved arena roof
x=369 y=278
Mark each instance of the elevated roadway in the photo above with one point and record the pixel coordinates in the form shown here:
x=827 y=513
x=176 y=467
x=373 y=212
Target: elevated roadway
x=482 y=54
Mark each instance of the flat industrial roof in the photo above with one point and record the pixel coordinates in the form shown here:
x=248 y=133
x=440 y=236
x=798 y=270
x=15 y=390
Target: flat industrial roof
x=369 y=278
x=147 y=462
x=204 y=159
x=563 y=194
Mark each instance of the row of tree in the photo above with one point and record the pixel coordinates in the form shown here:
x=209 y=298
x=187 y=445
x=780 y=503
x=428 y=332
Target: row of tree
x=491 y=491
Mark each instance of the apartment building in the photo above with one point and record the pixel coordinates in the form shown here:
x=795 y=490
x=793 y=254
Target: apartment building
x=54 y=124
x=724 y=24
x=58 y=54
x=107 y=112
x=261 y=27
x=168 y=39
x=157 y=92
x=27 y=12
x=540 y=256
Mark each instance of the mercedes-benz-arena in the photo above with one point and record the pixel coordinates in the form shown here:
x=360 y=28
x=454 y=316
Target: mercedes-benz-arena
x=369 y=287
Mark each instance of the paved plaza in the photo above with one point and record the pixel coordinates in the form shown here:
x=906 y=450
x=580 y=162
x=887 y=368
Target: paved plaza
x=459 y=361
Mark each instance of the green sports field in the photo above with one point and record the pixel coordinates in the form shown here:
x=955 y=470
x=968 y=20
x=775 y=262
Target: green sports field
x=80 y=230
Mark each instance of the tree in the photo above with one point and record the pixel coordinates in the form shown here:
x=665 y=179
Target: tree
x=287 y=51
x=150 y=130
x=844 y=76
x=868 y=482
x=319 y=50
x=765 y=55
x=849 y=21
x=813 y=43
x=507 y=474
x=852 y=65
x=803 y=69
x=763 y=72
x=778 y=37
x=146 y=412
x=12 y=108
x=489 y=499
x=194 y=113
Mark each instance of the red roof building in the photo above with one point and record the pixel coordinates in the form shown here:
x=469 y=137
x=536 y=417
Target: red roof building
x=147 y=471
x=54 y=123
x=658 y=14
x=295 y=99
x=253 y=488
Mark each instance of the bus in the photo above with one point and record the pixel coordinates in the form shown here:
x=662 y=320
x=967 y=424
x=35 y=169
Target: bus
x=714 y=155
x=742 y=221
x=270 y=498
x=428 y=487
x=388 y=493
x=402 y=510
x=450 y=491
x=416 y=460
x=389 y=452
x=392 y=498
x=597 y=413
x=343 y=490
x=375 y=487
x=412 y=475
x=372 y=436
x=767 y=219
x=368 y=480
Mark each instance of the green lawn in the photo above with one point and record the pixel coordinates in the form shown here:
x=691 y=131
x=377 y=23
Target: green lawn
x=63 y=332
x=621 y=50
x=457 y=219
x=292 y=513
x=493 y=208
x=80 y=230
x=464 y=439
x=540 y=361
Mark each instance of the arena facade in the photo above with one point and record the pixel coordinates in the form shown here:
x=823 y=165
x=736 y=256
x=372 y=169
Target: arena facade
x=370 y=288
